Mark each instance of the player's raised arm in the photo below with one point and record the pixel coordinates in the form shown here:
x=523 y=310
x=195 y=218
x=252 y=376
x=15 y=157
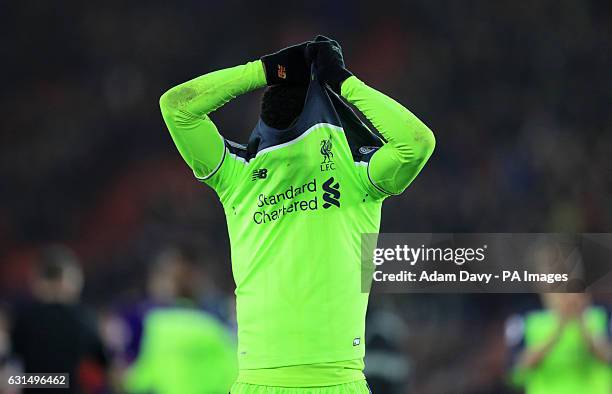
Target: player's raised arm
x=185 y=107
x=409 y=141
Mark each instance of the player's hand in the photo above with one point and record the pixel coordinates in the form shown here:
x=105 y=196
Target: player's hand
x=326 y=54
x=564 y=319
x=287 y=66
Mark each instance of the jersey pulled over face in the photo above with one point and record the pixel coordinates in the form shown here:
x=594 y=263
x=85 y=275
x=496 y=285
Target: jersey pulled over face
x=297 y=202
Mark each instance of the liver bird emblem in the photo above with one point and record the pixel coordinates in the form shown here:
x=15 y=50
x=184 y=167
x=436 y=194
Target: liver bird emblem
x=326 y=150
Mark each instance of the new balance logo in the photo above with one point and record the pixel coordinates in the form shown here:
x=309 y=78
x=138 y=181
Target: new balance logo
x=262 y=173
x=331 y=194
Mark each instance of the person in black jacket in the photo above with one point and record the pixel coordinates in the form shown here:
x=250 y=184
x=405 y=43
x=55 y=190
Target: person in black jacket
x=55 y=333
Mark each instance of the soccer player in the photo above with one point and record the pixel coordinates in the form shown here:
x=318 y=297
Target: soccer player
x=179 y=340
x=562 y=349
x=297 y=198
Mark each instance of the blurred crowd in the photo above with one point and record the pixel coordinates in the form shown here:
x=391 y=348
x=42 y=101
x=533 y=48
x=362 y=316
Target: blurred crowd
x=517 y=94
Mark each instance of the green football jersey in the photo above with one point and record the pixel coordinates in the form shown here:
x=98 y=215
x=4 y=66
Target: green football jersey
x=183 y=351
x=570 y=367
x=296 y=202
x=295 y=214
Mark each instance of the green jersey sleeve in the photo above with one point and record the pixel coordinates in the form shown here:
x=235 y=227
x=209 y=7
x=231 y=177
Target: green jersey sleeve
x=185 y=109
x=409 y=142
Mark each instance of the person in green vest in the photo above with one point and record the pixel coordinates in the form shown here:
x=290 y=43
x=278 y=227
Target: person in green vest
x=183 y=349
x=562 y=349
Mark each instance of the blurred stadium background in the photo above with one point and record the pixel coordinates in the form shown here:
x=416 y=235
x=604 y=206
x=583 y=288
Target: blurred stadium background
x=517 y=93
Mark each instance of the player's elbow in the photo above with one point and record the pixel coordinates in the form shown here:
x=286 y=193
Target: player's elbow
x=166 y=102
x=417 y=148
x=427 y=142
x=424 y=144
x=177 y=101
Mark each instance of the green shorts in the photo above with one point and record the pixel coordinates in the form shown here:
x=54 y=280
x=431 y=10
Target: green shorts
x=358 y=387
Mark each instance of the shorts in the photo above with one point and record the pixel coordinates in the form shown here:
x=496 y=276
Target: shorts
x=357 y=387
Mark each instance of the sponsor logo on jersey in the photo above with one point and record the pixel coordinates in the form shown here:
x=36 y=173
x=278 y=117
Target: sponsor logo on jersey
x=273 y=206
x=328 y=156
x=331 y=193
x=281 y=72
x=295 y=199
x=261 y=173
x=357 y=341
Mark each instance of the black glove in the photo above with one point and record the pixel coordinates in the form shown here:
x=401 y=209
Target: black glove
x=287 y=66
x=327 y=57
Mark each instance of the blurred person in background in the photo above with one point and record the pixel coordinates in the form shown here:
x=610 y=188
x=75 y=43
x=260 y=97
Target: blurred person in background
x=6 y=368
x=387 y=367
x=127 y=320
x=563 y=348
x=4 y=338
x=183 y=349
x=54 y=332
